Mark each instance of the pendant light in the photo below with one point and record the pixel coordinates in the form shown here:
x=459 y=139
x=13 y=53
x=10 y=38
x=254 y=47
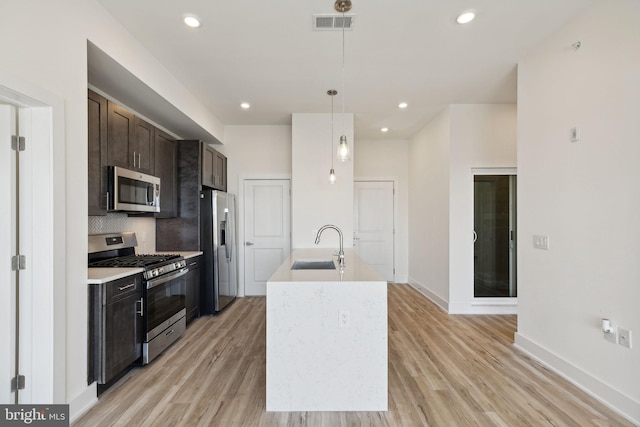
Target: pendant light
x=343 y=154
x=332 y=172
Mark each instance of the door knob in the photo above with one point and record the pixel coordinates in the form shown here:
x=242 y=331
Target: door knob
x=249 y=243
x=475 y=236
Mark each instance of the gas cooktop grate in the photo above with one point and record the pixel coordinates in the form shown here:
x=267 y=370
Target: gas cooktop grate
x=141 y=260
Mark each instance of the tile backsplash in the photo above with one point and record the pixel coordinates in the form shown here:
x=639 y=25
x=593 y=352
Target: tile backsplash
x=144 y=227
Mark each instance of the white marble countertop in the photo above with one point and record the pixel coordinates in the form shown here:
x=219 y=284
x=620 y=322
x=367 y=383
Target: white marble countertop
x=97 y=276
x=355 y=270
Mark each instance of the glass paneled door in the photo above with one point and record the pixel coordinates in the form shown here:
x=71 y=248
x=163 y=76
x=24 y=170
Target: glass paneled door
x=494 y=255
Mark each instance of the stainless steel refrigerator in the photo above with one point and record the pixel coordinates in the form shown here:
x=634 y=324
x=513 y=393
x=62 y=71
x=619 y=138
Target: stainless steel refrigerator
x=217 y=242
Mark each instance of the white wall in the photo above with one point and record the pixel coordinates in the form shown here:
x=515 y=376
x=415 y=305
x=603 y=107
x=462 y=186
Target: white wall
x=316 y=202
x=482 y=136
x=441 y=158
x=51 y=54
x=254 y=152
x=389 y=159
x=585 y=196
x=429 y=159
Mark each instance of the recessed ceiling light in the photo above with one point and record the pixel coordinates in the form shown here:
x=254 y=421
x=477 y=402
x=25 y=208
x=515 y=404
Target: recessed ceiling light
x=192 y=21
x=403 y=105
x=384 y=130
x=245 y=105
x=465 y=17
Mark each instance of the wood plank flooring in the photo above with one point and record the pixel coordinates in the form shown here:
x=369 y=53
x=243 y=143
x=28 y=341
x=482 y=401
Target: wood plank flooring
x=444 y=370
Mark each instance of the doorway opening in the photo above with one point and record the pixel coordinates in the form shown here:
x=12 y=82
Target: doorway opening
x=266 y=233
x=27 y=179
x=494 y=223
x=374 y=225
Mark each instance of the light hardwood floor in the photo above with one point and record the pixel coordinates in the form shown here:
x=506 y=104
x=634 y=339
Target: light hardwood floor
x=444 y=370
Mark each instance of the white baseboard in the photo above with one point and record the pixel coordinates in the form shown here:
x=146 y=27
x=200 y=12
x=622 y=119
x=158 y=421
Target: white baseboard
x=401 y=279
x=429 y=294
x=474 y=307
x=83 y=402
x=614 y=399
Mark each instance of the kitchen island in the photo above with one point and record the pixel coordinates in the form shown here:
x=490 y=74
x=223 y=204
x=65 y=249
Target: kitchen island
x=326 y=336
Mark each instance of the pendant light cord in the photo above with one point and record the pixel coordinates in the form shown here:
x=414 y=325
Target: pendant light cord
x=343 y=24
x=331 y=153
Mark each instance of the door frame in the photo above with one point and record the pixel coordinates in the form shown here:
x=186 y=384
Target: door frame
x=393 y=180
x=508 y=305
x=241 y=211
x=43 y=314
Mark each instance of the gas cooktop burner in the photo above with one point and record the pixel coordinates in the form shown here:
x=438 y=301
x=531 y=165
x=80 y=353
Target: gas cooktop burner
x=140 y=260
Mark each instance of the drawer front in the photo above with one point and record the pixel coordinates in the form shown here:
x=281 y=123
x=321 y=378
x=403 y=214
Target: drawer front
x=195 y=262
x=122 y=288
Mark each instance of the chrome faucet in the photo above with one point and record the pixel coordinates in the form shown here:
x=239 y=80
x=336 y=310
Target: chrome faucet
x=341 y=251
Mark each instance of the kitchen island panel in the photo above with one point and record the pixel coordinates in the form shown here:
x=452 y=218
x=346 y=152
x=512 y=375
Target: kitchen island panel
x=327 y=343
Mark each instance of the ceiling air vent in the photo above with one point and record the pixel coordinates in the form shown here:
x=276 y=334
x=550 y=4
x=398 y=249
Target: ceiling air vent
x=332 y=22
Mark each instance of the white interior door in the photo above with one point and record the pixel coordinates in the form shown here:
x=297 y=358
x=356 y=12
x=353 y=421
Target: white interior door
x=373 y=228
x=267 y=230
x=7 y=250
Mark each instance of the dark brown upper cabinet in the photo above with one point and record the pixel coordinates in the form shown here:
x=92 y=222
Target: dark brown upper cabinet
x=130 y=140
x=120 y=134
x=117 y=137
x=214 y=168
x=143 y=147
x=97 y=107
x=166 y=167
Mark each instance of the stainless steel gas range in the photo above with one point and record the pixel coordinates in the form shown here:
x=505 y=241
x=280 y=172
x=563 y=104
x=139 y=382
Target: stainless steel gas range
x=164 y=297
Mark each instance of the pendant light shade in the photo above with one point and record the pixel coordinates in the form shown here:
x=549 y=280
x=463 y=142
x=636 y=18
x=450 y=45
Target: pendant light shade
x=343 y=150
x=332 y=176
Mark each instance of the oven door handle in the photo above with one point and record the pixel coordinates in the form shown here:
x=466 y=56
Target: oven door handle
x=165 y=279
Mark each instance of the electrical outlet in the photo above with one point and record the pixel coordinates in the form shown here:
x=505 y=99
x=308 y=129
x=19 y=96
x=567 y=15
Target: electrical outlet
x=344 y=319
x=624 y=337
x=612 y=336
x=541 y=241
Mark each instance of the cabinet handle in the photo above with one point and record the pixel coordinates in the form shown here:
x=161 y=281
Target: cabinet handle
x=106 y=201
x=192 y=264
x=139 y=162
x=141 y=312
x=123 y=288
x=170 y=332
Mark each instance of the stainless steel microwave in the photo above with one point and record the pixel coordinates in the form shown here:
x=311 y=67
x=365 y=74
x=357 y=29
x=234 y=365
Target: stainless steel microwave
x=132 y=191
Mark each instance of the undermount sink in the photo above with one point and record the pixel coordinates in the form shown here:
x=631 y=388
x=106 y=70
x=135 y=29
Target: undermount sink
x=313 y=264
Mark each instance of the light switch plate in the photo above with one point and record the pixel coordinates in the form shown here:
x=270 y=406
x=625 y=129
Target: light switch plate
x=541 y=241
x=624 y=337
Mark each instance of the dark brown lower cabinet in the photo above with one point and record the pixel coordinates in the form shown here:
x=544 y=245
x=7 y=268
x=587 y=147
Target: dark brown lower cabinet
x=193 y=287
x=115 y=327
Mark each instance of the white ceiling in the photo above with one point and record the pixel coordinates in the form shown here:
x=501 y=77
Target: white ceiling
x=266 y=53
